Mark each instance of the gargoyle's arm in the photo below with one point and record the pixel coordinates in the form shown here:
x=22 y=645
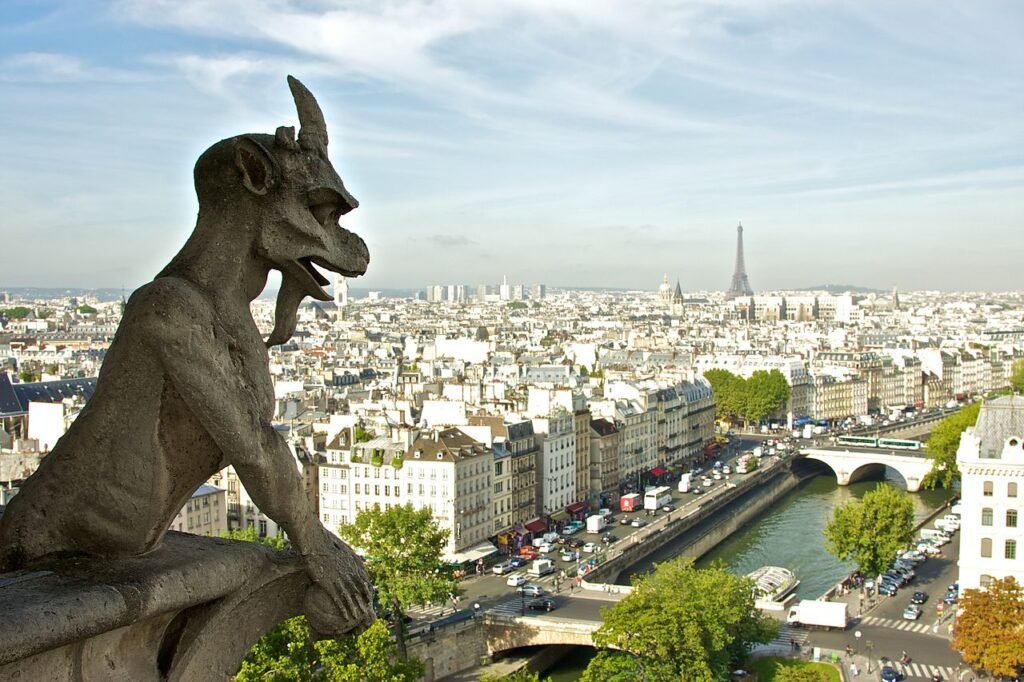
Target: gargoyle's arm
x=178 y=323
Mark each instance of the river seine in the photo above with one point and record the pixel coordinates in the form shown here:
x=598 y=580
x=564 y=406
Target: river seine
x=789 y=534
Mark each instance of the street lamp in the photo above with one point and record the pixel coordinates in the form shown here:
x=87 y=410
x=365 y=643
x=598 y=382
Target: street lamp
x=857 y=635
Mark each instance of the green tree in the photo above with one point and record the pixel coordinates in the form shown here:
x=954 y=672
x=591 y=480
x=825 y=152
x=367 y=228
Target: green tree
x=86 y=309
x=1017 y=376
x=942 y=446
x=521 y=675
x=249 y=535
x=988 y=631
x=28 y=377
x=730 y=393
x=613 y=666
x=404 y=548
x=18 y=312
x=870 y=531
x=683 y=623
x=765 y=392
x=482 y=334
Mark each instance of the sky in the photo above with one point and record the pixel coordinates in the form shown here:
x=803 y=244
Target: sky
x=574 y=143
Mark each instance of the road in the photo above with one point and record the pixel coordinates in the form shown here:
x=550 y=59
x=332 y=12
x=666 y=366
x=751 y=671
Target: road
x=925 y=640
x=491 y=591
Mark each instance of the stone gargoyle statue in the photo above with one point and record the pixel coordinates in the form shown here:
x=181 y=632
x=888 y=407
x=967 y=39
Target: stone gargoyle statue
x=185 y=388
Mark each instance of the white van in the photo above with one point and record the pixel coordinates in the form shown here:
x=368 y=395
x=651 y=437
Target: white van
x=540 y=567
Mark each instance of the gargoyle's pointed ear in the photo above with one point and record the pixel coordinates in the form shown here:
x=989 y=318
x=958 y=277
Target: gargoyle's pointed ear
x=256 y=164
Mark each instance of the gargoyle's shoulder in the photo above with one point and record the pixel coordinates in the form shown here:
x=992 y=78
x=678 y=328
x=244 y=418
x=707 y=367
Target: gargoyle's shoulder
x=169 y=301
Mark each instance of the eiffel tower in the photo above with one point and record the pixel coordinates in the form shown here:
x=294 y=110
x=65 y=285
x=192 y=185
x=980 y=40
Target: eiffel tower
x=740 y=285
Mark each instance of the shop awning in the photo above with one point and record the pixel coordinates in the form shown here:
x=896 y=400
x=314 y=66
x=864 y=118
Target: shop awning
x=473 y=553
x=536 y=526
x=576 y=508
x=657 y=471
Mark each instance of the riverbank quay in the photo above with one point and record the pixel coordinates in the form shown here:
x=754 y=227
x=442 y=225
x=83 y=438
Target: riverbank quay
x=693 y=532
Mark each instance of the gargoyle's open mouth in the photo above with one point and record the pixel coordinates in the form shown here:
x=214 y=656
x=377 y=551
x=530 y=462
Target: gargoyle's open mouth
x=312 y=280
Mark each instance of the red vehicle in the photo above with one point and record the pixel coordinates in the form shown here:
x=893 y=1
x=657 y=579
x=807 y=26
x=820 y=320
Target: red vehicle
x=630 y=502
x=528 y=553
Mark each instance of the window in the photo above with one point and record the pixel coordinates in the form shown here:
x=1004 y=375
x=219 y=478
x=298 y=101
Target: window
x=357 y=488
x=1010 y=552
x=1011 y=490
x=1011 y=518
x=986 y=488
x=986 y=516
x=986 y=548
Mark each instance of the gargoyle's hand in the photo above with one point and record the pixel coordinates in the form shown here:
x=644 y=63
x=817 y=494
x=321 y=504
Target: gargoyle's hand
x=340 y=601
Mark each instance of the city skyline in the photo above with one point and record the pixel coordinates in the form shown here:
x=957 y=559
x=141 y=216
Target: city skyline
x=578 y=145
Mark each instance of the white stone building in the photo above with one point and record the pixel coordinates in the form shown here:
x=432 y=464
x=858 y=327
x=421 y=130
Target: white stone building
x=205 y=513
x=556 y=436
x=991 y=463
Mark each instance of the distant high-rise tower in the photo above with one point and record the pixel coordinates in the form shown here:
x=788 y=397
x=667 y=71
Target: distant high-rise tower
x=740 y=284
x=896 y=299
x=340 y=291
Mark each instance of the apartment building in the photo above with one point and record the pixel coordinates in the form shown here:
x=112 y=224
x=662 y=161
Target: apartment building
x=991 y=463
x=556 y=464
x=205 y=513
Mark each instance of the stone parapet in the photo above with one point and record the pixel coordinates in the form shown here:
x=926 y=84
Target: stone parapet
x=188 y=610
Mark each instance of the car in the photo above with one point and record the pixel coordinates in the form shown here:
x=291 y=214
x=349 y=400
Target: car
x=726 y=470
x=515 y=580
x=895 y=578
x=697 y=491
x=667 y=508
x=950 y=598
x=717 y=475
x=568 y=555
x=517 y=562
x=706 y=481
x=889 y=674
x=638 y=523
x=887 y=589
x=609 y=539
x=590 y=547
x=912 y=612
x=528 y=553
x=625 y=520
x=543 y=604
x=500 y=569
x=576 y=543
x=918 y=598
x=530 y=589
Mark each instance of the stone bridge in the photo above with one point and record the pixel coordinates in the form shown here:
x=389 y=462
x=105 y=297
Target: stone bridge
x=851 y=466
x=504 y=633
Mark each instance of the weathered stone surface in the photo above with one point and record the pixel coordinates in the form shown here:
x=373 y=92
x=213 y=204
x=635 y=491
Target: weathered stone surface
x=184 y=391
x=188 y=610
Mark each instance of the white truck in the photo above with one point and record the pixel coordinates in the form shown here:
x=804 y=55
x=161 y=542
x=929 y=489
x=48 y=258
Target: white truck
x=823 y=614
x=595 y=523
x=539 y=567
x=684 y=483
x=758 y=451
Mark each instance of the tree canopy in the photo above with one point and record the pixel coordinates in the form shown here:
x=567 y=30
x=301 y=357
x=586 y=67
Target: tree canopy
x=249 y=535
x=988 y=631
x=18 y=312
x=943 y=443
x=1017 y=377
x=680 y=623
x=870 y=531
x=750 y=399
x=404 y=548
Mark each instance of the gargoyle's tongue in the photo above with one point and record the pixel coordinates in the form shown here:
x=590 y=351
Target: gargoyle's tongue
x=289 y=296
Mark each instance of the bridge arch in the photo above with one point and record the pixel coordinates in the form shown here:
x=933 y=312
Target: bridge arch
x=850 y=466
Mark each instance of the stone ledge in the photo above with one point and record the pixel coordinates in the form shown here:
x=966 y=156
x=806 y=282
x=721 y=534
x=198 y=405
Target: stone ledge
x=189 y=609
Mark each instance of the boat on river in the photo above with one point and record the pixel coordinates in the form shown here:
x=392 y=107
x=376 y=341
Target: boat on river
x=772 y=586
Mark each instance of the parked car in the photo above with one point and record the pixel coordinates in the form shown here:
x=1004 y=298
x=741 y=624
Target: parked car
x=918 y=598
x=667 y=508
x=912 y=612
x=500 y=569
x=590 y=547
x=517 y=562
x=726 y=470
x=950 y=598
x=698 y=491
x=638 y=523
x=530 y=589
x=515 y=580
x=568 y=555
x=544 y=604
x=609 y=539
x=888 y=589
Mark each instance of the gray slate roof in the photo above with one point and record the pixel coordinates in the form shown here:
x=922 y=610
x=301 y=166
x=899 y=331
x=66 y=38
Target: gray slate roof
x=998 y=420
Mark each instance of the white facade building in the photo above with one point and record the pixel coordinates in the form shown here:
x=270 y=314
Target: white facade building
x=557 y=481
x=991 y=463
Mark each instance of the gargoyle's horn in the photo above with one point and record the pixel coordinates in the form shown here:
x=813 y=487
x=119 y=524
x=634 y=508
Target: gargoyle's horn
x=312 y=128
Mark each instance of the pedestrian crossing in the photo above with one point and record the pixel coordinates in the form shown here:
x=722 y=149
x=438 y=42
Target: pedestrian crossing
x=914 y=671
x=941 y=630
x=787 y=637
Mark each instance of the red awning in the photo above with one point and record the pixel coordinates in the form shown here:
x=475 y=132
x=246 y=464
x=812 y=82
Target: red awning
x=576 y=508
x=657 y=471
x=536 y=526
